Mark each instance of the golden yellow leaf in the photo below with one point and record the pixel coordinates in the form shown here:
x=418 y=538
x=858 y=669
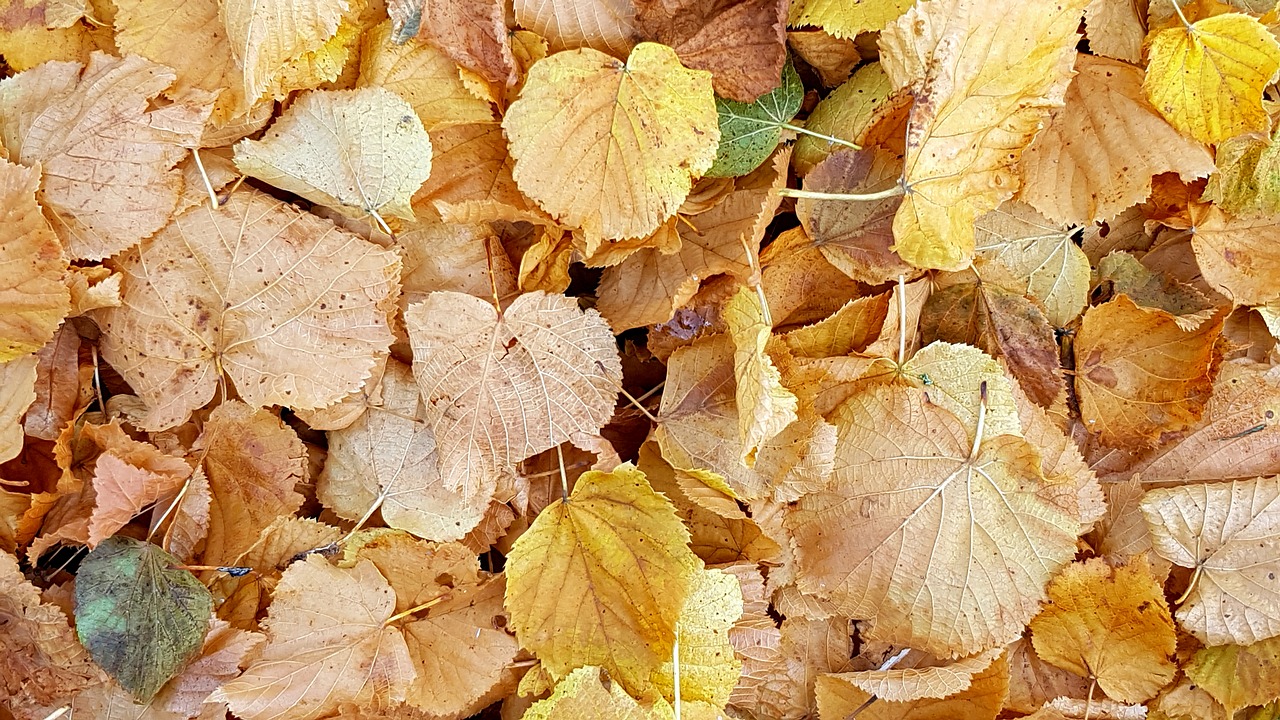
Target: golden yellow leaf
x=33 y=298
x=1138 y=374
x=1100 y=150
x=601 y=579
x=329 y=63
x=985 y=75
x=845 y=19
x=1238 y=675
x=608 y=146
x=1227 y=533
x=1039 y=258
x=708 y=668
x=587 y=694
x=471 y=179
x=387 y=457
x=911 y=489
x=765 y=406
x=255 y=315
x=919 y=682
x=264 y=38
x=846 y=113
x=980 y=701
x=360 y=152
x=327 y=643
x=17 y=392
x=545 y=265
x=51 y=115
x=1109 y=624
x=1207 y=78
x=606 y=25
x=953 y=375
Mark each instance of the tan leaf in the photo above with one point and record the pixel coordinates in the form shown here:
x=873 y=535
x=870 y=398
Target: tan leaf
x=850 y=329
x=1238 y=256
x=17 y=392
x=471 y=178
x=265 y=38
x=225 y=648
x=51 y=115
x=1033 y=682
x=252 y=462
x=742 y=43
x=453 y=257
x=1227 y=533
x=1006 y=62
x=190 y=523
x=1138 y=374
x=606 y=25
x=834 y=58
x=982 y=699
x=601 y=579
x=424 y=76
x=258 y=317
x=909 y=487
x=500 y=387
x=1099 y=152
x=1121 y=272
x=1116 y=28
x=1109 y=624
x=765 y=406
x=33 y=299
x=801 y=284
x=545 y=265
x=387 y=458
x=360 y=152
x=472 y=32
x=123 y=490
x=921 y=682
x=1038 y=258
x=326 y=644
x=577 y=158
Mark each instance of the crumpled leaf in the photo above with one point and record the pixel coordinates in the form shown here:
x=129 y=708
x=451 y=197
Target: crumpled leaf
x=17 y=392
x=1111 y=624
x=1248 y=177
x=605 y=25
x=140 y=619
x=846 y=20
x=581 y=163
x=359 y=152
x=750 y=132
x=1227 y=533
x=33 y=298
x=971 y=521
x=500 y=387
x=472 y=32
x=327 y=643
x=1138 y=374
x=257 y=317
x=982 y=699
x=742 y=43
x=51 y=116
x=601 y=579
x=1100 y=150
x=1037 y=257
x=1004 y=63
x=765 y=406
x=1207 y=78
x=265 y=38
x=921 y=682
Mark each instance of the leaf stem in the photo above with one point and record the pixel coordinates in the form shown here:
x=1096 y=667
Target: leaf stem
x=982 y=421
x=894 y=191
x=418 y=608
x=675 y=669
x=377 y=503
x=1191 y=586
x=811 y=133
x=208 y=186
x=1088 y=703
x=902 y=319
x=564 y=477
x=1178 y=9
x=172 y=506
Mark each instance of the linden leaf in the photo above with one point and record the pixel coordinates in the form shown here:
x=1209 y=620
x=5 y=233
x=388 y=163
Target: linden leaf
x=765 y=406
x=52 y=115
x=17 y=392
x=921 y=682
x=1139 y=374
x=844 y=19
x=750 y=132
x=257 y=315
x=387 y=457
x=587 y=694
x=1101 y=149
x=140 y=619
x=472 y=32
x=1122 y=273
x=708 y=668
x=601 y=579
x=1239 y=257
x=33 y=298
x=845 y=114
x=1039 y=259
x=266 y=37
x=1248 y=177
x=910 y=488
x=471 y=179
x=1111 y=624
x=359 y=152
x=605 y=25
x=984 y=75
x=1238 y=675
x=1207 y=78
x=1116 y=28
x=1227 y=532
x=327 y=643
x=608 y=146
x=982 y=700
x=500 y=387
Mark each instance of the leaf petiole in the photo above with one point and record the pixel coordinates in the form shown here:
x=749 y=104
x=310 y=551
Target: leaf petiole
x=831 y=139
x=894 y=191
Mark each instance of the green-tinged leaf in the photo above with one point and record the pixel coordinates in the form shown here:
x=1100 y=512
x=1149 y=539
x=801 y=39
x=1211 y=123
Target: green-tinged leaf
x=749 y=132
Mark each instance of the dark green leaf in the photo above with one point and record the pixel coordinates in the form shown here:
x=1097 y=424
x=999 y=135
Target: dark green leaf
x=749 y=132
x=139 y=619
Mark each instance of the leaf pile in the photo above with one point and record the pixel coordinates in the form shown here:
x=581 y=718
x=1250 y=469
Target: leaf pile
x=645 y=359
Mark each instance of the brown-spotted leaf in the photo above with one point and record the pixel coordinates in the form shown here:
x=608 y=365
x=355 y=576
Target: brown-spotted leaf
x=472 y=32
x=33 y=298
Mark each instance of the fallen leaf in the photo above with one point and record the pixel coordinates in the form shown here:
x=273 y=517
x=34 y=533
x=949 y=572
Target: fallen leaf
x=615 y=546
x=1100 y=150
x=257 y=317
x=1117 y=28
x=921 y=682
x=564 y=128
x=708 y=668
x=750 y=132
x=1225 y=531
x=983 y=698
x=264 y=39
x=1248 y=177
x=1111 y=625
x=472 y=32
x=17 y=392
x=360 y=152
x=139 y=618
x=1007 y=63
x=1038 y=257
x=1121 y=273
x=1236 y=675
x=832 y=57
x=1237 y=256
x=60 y=387
x=765 y=406
x=33 y=298
x=605 y=25
x=51 y=118
x=845 y=114
x=847 y=20
x=587 y=694
x=1207 y=77
x=123 y=490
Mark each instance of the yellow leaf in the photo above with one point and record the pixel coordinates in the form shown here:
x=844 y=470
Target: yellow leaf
x=606 y=25
x=265 y=37
x=1226 y=532
x=608 y=146
x=984 y=75
x=1039 y=256
x=1248 y=177
x=1207 y=78
x=1111 y=624
x=708 y=668
x=846 y=113
x=1238 y=675
x=846 y=19
x=765 y=405
x=980 y=701
x=601 y=579
x=906 y=684
x=33 y=298
x=359 y=152
x=586 y=694
x=17 y=392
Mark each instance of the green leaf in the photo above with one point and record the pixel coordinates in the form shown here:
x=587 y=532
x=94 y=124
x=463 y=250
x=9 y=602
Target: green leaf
x=749 y=132
x=139 y=619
